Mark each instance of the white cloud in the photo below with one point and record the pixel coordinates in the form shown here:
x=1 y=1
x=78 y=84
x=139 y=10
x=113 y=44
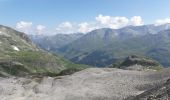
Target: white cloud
x=112 y=22
x=40 y=28
x=83 y=27
x=24 y=26
x=136 y=21
x=101 y=21
x=162 y=21
x=65 y=27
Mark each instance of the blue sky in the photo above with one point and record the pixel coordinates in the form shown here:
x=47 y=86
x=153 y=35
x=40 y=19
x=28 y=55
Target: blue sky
x=52 y=13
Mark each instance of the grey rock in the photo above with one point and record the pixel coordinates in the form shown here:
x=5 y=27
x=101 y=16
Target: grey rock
x=88 y=84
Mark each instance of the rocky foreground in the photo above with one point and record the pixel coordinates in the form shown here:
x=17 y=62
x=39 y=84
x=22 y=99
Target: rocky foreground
x=89 y=84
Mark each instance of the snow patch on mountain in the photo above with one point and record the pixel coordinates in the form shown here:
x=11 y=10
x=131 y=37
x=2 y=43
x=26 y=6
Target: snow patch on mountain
x=15 y=48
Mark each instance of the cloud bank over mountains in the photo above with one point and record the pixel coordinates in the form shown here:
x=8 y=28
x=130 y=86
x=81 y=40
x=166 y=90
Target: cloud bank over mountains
x=101 y=21
x=162 y=21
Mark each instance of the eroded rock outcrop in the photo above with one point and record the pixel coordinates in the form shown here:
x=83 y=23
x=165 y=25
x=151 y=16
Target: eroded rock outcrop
x=161 y=92
x=136 y=62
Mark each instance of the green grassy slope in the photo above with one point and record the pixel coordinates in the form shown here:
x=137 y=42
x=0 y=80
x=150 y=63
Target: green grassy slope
x=19 y=56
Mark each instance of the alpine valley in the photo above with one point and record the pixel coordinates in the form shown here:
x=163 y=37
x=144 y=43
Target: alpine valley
x=28 y=72
x=102 y=47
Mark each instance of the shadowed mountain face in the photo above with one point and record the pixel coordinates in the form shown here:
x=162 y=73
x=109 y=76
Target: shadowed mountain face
x=54 y=42
x=19 y=56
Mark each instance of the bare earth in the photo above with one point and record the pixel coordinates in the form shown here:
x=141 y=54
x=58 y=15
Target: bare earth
x=89 y=84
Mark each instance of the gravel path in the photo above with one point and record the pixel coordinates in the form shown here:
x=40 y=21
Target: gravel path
x=89 y=84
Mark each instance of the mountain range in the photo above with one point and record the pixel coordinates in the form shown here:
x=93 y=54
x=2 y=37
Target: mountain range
x=28 y=72
x=54 y=42
x=102 y=47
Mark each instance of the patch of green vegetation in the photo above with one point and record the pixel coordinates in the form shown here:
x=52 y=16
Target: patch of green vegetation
x=13 y=68
x=40 y=63
x=69 y=64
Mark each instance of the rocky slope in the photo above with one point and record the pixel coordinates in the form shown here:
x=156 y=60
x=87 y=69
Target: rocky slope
x=89 y=84
x=136 y=62
x=161 y=92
